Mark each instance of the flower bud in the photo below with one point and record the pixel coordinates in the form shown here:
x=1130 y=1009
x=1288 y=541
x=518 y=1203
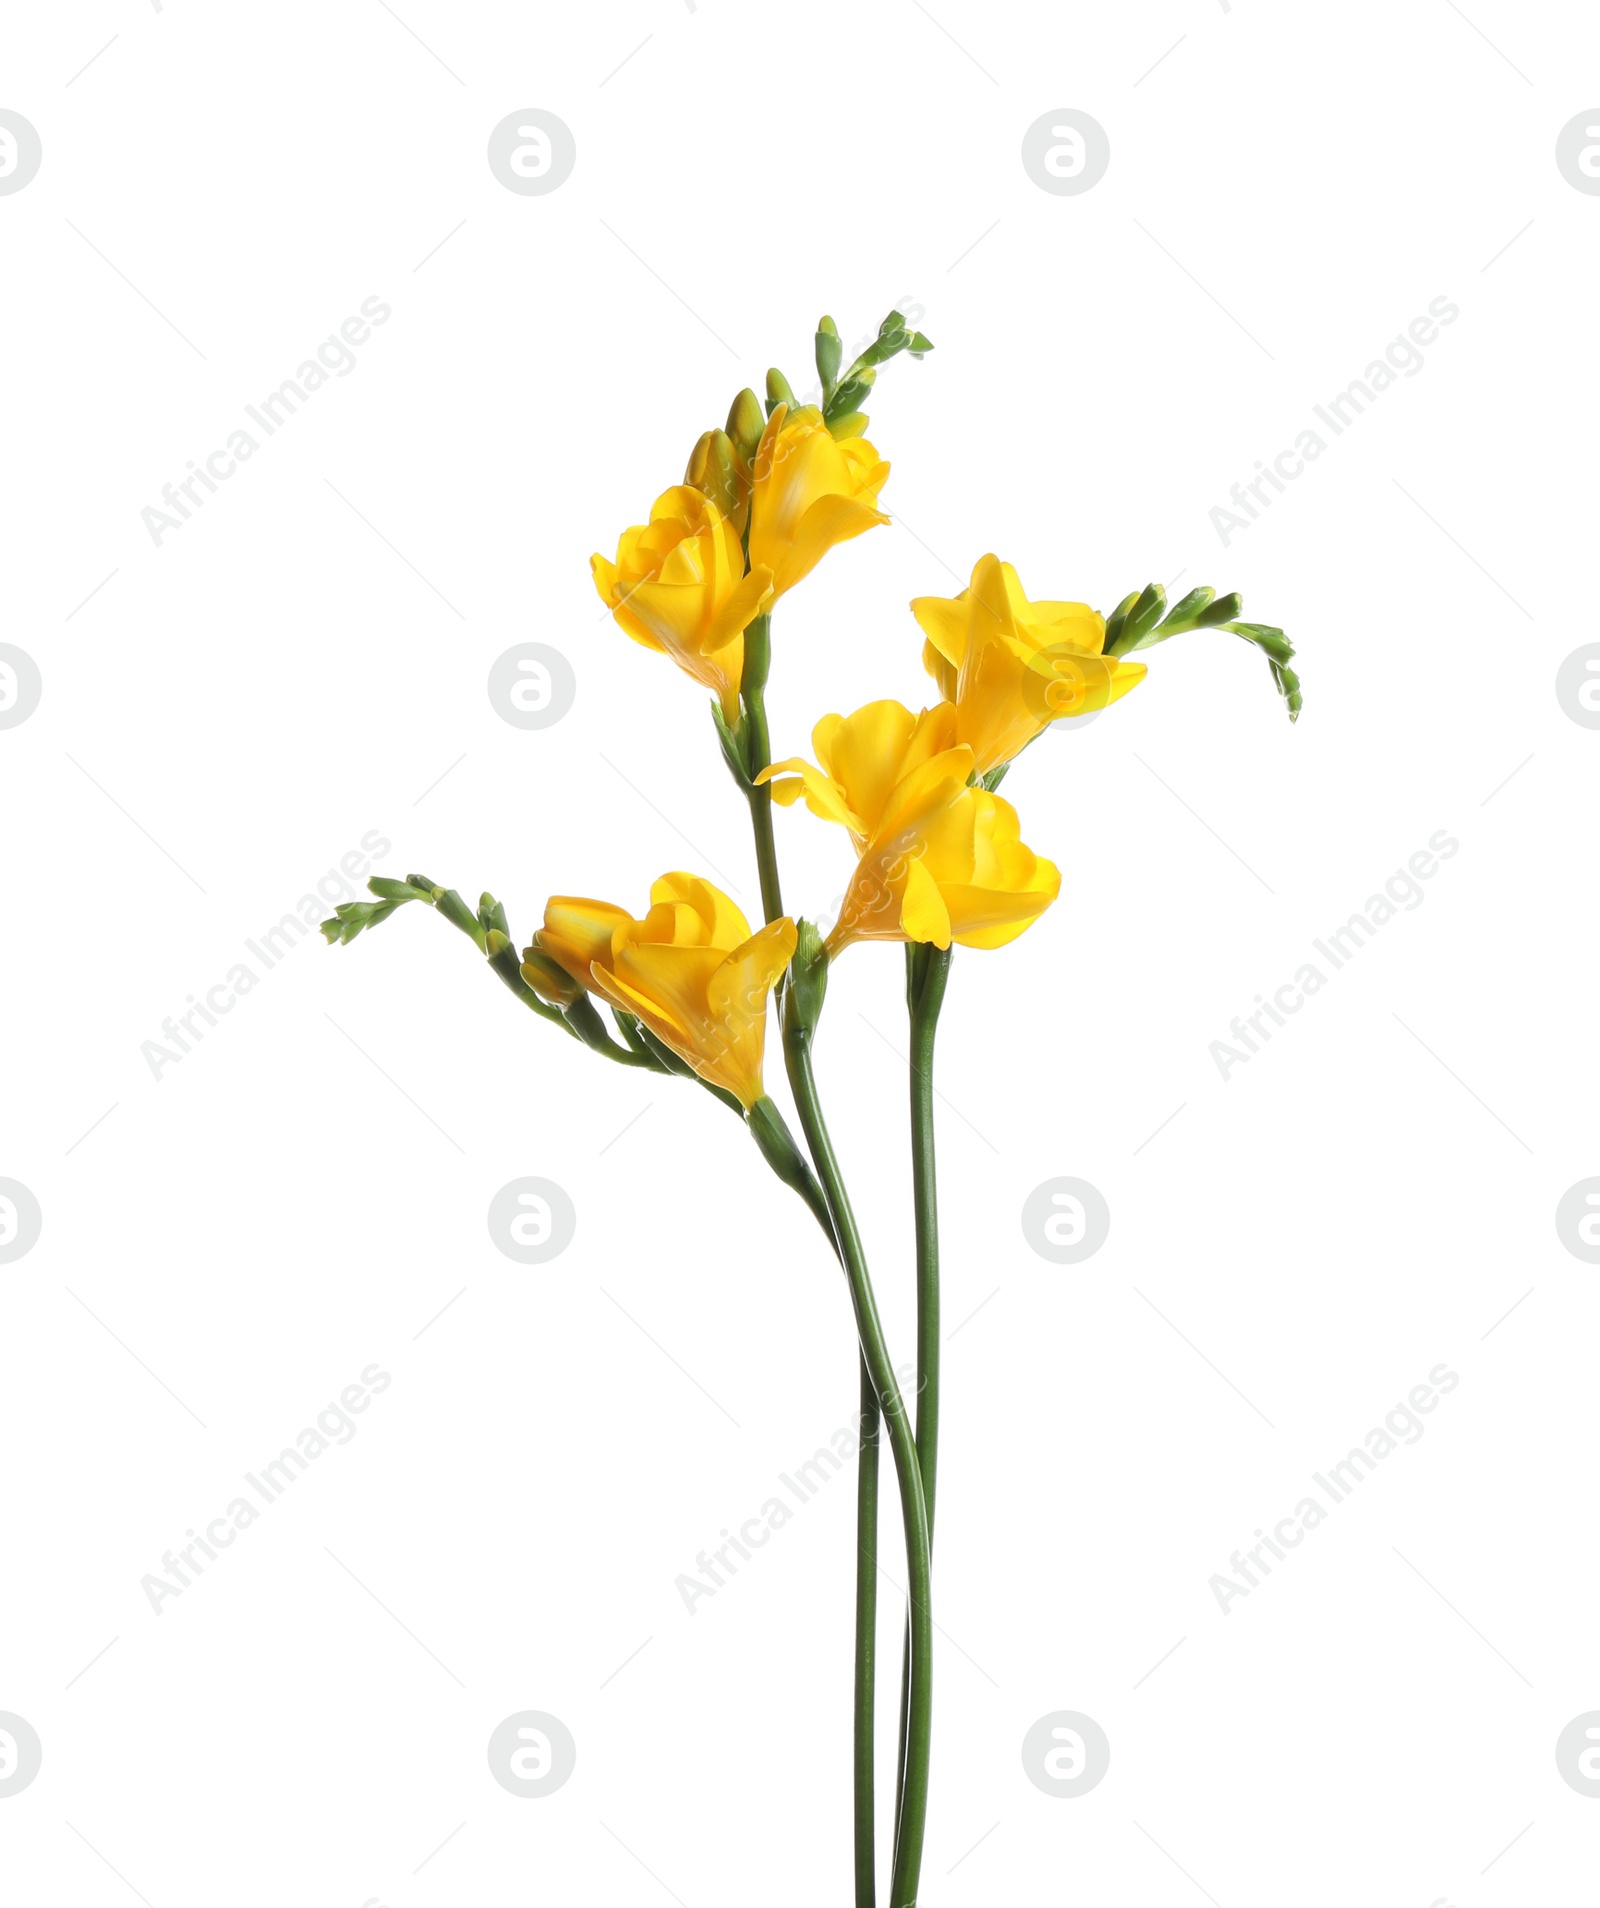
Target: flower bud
x=808 y=980
x=746 y=421
x=713 y=471
x=548 y=979
x=830 y=355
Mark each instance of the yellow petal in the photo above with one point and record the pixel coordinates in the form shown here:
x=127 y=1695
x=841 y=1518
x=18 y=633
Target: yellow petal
x=578 y=933
x=823 y=796
x=923 y=913
x=1074 y=623
x=829 y=521
x=864 y=753
x=943 y=620
x=724 y=926
x=749 y=598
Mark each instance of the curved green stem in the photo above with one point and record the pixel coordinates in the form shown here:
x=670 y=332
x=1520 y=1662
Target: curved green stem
x=908 y=1473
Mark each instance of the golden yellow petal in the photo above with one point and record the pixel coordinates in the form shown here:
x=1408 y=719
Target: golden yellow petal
x=723 y=925
x=943 y=620
x=823 y=795
x=1075 y=623
x=578 y=933
x=923 y=913
x=829 y=521
x=863 y=753
x=605 y=579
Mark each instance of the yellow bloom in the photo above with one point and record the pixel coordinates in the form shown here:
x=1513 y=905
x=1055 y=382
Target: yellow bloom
x=937 y=859
x=809 y=492
x=691 y=972
x=678 y=586
x=1012 y=667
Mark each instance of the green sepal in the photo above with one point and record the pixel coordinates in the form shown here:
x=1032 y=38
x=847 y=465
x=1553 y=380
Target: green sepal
x=731 y=738
x=628 y=1027
x=770 y=1131
x=502 y=955
x=584 y=1020
x=492 y=917
x=807 y=984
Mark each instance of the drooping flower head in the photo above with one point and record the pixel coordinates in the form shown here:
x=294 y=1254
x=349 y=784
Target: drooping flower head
x=690 y=971
x=937 y=859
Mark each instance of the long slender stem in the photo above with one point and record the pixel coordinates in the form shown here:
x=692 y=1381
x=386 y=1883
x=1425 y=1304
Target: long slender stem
x=927 y=973
x=908 y=1473
x=924 y=1175
x=866 y=1660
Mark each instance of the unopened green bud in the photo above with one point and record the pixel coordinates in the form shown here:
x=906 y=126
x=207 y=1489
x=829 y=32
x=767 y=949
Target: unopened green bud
x=548 y=979
x=1146 y=612
x=1116 y=626
x=1226 y=609
x=457 y=913
x=778 y=391
x=848 y=396
x=807 y=985
x=830 y=355
x=745 y=423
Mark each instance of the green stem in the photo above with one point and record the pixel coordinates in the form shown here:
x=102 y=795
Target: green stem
x=927 y=974
x=925 y=1192
x=908 y=1474
x=753 y=693
x=866 y=1663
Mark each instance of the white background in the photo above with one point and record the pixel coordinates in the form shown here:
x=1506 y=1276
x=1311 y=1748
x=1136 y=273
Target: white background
x=228 y=714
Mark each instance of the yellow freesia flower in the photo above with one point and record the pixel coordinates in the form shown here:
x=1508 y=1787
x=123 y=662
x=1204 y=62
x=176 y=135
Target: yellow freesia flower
x=809 y=491
x=1012 y=667
x=691 y=972
x=679 y=586
x=937 y=859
